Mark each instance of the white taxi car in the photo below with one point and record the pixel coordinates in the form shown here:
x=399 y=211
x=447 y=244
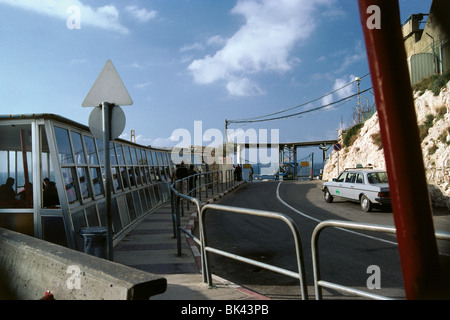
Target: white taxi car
x=367 y=186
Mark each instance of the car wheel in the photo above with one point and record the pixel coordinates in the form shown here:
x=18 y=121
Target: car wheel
x=327 y=196
x=366 y=205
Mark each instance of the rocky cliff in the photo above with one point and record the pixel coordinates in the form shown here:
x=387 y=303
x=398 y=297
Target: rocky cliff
x=433 y=117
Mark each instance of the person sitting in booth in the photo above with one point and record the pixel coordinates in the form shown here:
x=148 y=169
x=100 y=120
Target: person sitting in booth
x=7 y=194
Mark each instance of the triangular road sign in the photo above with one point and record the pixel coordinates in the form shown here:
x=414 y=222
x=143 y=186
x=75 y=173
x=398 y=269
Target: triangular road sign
x=108 y=88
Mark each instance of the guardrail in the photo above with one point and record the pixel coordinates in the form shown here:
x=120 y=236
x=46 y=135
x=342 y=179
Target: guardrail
x=177 y=211
x=194 y=185
x=300 y=275
x=318 y=283
x=191 y=189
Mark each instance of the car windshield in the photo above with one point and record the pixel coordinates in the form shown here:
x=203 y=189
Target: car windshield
x=377 y=177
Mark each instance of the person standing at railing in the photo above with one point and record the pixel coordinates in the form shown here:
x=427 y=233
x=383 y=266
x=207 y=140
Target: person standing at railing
x=182 y=172
x=238 y=173
x=192 y=181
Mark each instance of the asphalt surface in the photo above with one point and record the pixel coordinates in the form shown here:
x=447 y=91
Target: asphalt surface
x=346 y=257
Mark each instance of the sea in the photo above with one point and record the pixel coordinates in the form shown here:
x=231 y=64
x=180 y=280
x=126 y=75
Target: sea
x=271 y=172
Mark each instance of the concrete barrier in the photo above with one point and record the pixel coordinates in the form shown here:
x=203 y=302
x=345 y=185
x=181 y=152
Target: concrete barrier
x=30 y=266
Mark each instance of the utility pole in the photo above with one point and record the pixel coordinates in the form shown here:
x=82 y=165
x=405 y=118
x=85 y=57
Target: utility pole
x=226 y=132
x=312 y=166
x=358 y=80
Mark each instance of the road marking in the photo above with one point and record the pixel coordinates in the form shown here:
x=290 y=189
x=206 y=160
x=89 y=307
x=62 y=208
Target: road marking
x=318 y=221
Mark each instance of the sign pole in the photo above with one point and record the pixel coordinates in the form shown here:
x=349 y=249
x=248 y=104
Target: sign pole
x=106 y=112
x=337 y=147
x=110 y=118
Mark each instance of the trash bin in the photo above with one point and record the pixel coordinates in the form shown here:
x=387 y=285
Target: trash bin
x=95 y=241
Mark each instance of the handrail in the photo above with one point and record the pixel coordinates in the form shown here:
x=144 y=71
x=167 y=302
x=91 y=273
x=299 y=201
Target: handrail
x=178 y=209
x=300 y=275
x=318 y=283
x=209 y=182
x=177 y=195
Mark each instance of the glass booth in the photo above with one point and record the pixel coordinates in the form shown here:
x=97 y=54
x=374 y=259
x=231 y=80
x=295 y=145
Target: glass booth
x=52 y=179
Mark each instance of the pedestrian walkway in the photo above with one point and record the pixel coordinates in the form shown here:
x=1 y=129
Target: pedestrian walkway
x=152 y=247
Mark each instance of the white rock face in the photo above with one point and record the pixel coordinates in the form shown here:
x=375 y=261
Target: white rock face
x=435 y=146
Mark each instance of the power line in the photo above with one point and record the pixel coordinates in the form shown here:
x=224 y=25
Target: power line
x=299 y=113
x=295 y=107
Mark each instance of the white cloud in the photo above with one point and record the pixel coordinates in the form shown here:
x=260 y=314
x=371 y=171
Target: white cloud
x=335 y=13
x=76 y=62
x=197 y=46
x=321 y=58
x=143 y=85
x=348 y=90
x=343 y=89
x=146 y=141
x=141 y=139
x=244 y=87
x=106 y=17
x=142 y=15
x=356 y=55
x=162 y=142
x=263 y=44
x=216 y=40
x=109 y=12
x=327 y=100
x=194 y=46
x=136 y=65
x=351 y=59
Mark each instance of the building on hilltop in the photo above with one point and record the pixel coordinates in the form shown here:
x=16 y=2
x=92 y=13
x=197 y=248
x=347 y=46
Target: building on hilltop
x=428 y=49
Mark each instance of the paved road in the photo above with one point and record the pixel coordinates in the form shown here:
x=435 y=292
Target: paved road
x=344 y=256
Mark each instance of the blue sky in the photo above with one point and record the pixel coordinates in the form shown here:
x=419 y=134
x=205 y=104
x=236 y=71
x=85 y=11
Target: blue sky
x=188 y=60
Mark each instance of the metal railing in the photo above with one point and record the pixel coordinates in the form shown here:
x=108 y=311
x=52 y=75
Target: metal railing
x=177 y=207
x=177 y=197
x=318 y=282
x=191 y=189
x=300 y=275
x=193 y=186
x=176 y=213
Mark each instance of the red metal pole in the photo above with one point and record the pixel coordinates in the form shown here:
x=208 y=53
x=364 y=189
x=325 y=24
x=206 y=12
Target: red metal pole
x=411 y=203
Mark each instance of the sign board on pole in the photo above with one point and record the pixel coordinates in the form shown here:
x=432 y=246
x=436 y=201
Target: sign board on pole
x=118 y=122
x=337 y=146
x=107 y=121
x=304 y=164
x=108 y=88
